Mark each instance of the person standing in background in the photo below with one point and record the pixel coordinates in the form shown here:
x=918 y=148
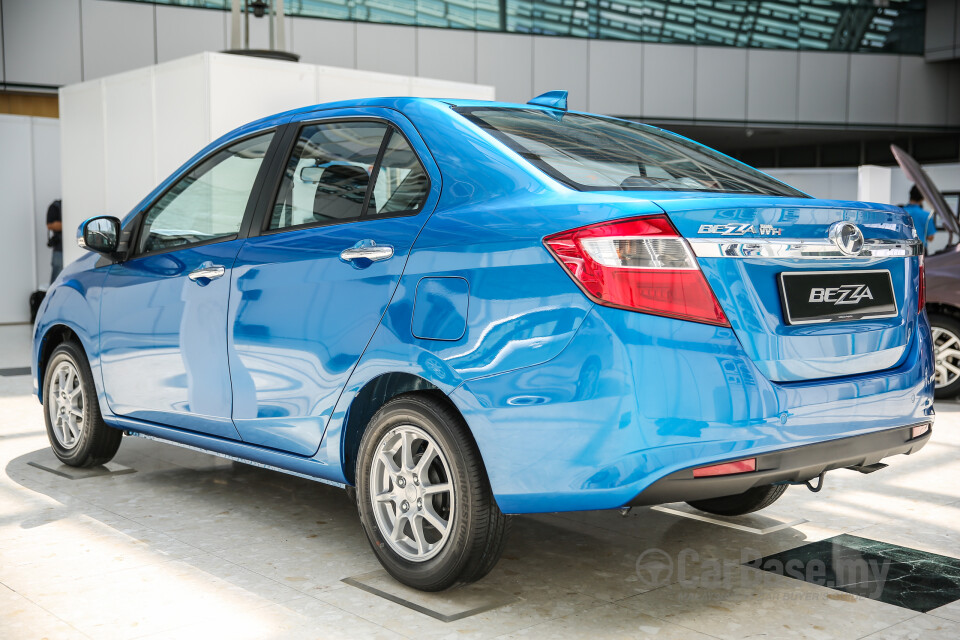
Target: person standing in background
x=922 y=219
x=55 y=239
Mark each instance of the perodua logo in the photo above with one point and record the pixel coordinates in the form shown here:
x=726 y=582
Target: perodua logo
x=847 y=236
x=844 y=294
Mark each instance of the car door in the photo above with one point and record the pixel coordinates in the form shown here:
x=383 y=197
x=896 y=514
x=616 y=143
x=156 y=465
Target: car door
x=164 y=310
x=310 y=289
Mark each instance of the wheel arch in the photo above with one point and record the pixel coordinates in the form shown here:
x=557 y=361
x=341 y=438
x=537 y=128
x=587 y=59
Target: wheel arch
x=371 y=397
x=54 y=336
x=944 y=309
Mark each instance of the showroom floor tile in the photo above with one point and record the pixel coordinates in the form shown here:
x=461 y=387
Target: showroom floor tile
x=191 y=546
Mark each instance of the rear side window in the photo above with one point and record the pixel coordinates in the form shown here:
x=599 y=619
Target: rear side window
x=342 y=171
x=592 y=153
x=328 y=174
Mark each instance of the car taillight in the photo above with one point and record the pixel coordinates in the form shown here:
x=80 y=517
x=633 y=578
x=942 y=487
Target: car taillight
x=726 y=468
x=922 y=297
x=640 y=264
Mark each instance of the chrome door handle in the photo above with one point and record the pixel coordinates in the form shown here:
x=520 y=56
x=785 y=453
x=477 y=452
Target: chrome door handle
x=372 y=252
x=207 y=273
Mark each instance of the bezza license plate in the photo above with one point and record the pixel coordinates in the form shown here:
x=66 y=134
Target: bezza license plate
x=836 y=296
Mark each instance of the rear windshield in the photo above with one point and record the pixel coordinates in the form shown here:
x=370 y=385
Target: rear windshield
x=592 y=153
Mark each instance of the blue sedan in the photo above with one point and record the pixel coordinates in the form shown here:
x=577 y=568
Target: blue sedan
x=460 y=310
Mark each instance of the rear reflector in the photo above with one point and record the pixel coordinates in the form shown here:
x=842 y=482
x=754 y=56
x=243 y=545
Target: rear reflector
x=640 y=264
x=918 y=431
x=726 y=469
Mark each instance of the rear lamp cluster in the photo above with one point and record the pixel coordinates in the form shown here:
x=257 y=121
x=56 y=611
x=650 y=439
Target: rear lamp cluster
x=640 y=264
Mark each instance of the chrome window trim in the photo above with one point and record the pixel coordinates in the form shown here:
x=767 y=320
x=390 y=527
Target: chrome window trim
x=801 y=248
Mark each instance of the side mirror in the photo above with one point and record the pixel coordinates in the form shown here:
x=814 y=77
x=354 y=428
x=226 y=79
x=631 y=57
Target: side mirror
x=100 y=234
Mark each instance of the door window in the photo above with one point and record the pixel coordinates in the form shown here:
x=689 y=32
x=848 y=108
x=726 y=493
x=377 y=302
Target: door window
x=401 y=184
x=209 y=202
x=328 y=174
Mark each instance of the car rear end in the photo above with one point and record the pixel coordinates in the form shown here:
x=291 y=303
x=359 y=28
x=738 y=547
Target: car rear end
x=744 y=336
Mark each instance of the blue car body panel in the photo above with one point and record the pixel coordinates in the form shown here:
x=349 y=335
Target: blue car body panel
x=572 y=405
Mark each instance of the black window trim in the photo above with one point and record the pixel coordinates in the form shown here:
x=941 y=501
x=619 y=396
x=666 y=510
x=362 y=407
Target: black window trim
x=551 y=172
x=249 y=211
x=271 y=190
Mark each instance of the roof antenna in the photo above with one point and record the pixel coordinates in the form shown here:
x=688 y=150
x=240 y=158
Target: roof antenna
x=551 y=99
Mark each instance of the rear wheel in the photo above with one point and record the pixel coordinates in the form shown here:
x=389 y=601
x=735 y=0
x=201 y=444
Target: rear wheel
x=742 y=503
x=423 y=495
x=945 y=332
x=75 y=428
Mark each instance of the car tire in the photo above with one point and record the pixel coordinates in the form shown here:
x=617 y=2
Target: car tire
x=76 y=430
x=400 y=499
x=742 y=503
x=945 y=329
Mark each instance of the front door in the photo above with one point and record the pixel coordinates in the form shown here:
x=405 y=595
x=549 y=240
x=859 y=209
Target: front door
x=164 y=310
x=310 y=290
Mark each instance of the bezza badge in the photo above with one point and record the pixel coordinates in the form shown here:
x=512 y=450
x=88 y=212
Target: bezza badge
x=739 y=229
x=844 y=294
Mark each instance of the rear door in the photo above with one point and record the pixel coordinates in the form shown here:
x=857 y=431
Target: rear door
x=812 y=289
x=309 y=290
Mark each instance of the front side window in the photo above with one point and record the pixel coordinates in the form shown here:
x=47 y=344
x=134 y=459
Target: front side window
x=209 y=202
x=592 y=153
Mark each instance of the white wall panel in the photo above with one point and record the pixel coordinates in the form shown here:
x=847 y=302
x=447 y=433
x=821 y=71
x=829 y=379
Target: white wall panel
x=244 y=89
x=830 y=184
x=41 y=40
x=772 y=78
x=430 y=88
x=668 y=87
x=823 y=87
x=448 y=54
x=129 y=161
x=46 y=189
x=183 y=31
x=82 y=159
x=614 y=79
x=506 y=62
x=18 y=258
x=328 y=42
x=181 y=95
x=561 y=63
x=923 y=91
x=873 y=88
x=721 y=81
x=117 y=36
x=335 y=84
x=387 y=48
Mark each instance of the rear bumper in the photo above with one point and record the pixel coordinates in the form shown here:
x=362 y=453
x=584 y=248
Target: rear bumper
x=790 y=466
x=634 y=399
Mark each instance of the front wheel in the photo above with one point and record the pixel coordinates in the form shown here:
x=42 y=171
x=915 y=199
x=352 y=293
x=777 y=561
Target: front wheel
x=423 y=496
x=742 y=503
x=75 y=428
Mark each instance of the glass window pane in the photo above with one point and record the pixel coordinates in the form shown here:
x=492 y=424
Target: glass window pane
x=328 y=174
x=209 y=201
x=402 y=184
x=596 y=153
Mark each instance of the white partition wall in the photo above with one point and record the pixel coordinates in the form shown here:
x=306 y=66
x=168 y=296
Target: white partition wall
x=29 y=182
x=123 y=134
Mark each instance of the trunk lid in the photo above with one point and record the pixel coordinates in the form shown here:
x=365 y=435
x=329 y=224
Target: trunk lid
x=765 y=257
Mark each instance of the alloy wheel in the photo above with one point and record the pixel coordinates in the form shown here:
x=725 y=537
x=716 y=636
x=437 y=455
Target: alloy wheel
x=946 y=351
x=412 y=493
x=65 y=402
